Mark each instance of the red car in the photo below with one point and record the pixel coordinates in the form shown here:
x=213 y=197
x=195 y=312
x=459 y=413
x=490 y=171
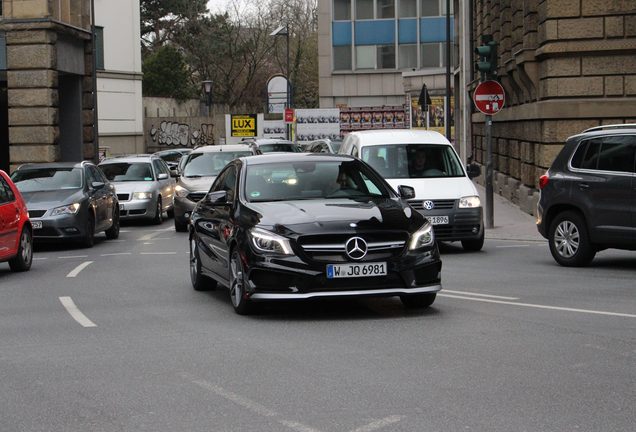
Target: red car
x=16 y=240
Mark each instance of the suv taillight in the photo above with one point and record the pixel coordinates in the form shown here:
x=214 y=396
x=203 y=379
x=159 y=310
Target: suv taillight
x=543 y=181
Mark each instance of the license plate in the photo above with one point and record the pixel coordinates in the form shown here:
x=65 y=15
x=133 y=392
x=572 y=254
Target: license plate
x=122 y=207
x=438 y=220
x=335 y=271
x=36 y=224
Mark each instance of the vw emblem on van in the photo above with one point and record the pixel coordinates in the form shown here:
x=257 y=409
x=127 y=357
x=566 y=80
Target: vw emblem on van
x=428 y=205
x=356 y=248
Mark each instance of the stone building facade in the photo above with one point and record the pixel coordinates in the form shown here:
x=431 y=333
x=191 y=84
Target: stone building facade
x=566 y=65
x=46 y=75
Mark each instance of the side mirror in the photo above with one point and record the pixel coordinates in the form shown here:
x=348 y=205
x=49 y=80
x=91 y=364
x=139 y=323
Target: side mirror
x=217 y=198
x=97 y=185
x=162 y=176
x=473 y=170
x=174 y=173
x=406 y=192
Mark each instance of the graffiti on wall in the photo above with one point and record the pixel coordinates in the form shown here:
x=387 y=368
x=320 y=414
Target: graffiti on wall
x=182 y=134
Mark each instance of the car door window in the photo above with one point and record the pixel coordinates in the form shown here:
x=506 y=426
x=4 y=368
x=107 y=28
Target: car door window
x=586 y=156
x=617 y=154
x=90 y=176
x=6 y=194
x=96 y=175
x=226 y=181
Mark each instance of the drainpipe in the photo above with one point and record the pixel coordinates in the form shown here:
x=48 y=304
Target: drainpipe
x=94 y=71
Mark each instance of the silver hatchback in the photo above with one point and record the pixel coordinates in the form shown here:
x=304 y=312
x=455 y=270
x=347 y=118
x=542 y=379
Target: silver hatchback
x=143 y=184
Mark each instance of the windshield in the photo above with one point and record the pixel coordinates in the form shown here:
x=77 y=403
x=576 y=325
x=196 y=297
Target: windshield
x=312 y=180
x=335 y=146
x=210 y=164
x=413 y=160
x=47 y=179
x=127 y=171
x=280 y=147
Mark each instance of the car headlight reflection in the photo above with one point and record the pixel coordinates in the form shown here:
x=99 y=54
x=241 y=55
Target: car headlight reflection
x=266 y=241
x=67 y=209
x=142 y=195
x=181 y=192
x=422 y=237
x=469 y=202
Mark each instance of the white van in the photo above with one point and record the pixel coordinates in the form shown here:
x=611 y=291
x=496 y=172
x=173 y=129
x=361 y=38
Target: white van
x=426 y=161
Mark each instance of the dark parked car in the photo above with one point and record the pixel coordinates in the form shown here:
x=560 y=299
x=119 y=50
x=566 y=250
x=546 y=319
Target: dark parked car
x=588 y=196
x=68 y=200
x=16 y=237
x=173 y=156
x=299 y=226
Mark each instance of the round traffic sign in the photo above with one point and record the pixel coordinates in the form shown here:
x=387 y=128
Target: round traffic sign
x=489 y=97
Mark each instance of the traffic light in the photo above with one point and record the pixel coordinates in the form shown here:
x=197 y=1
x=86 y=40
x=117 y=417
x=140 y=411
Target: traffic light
x=487 y=62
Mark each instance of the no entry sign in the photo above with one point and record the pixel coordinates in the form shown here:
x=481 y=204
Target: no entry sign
x=489 y=97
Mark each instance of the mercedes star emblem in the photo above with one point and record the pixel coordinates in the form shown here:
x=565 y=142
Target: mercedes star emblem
x=429 y=205
x=356 y=248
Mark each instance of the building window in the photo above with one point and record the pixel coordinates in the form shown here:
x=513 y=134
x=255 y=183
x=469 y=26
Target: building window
x=408 y=8
x=99 y=48
x=408 y=56
x=429 y=8
x=342 y=10
x=365 y=57
x=386 y=57
x=431 y=56
x=342 y=58
x=364 y=9
x=386 y=9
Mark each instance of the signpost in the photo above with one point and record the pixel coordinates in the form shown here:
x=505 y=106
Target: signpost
x=289 y=115
x=243 y=125
x=489 y=98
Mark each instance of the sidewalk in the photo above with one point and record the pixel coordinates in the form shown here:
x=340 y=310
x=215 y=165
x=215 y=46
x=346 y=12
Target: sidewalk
x=510 y=222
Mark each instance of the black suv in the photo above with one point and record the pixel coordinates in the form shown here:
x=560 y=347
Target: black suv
x=588 y=196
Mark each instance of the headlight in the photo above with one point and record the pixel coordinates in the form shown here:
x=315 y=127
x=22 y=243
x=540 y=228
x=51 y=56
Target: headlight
x=67 y=209
x=181 y=191
x=422 y=237
x=266 y=241
x=469 y=202
x=142 y=195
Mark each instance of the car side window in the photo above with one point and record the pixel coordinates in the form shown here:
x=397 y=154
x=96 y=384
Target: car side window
x=90 y=176
x=158 y=167
x=354 y=151
x=617 y=154
x=96 y=175
x=6 y=194
x=586 y=155
x=226 y=181
x=100 y=175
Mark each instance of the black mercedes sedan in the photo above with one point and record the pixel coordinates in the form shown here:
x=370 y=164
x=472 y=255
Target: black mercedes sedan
x=300 y=226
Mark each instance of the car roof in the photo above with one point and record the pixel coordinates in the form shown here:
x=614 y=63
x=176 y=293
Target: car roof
x=54 y=165
x=294 y=157
x=222 y=148
x=130 y=158
x=399 y=136
x=616 y=129
x=271 y=141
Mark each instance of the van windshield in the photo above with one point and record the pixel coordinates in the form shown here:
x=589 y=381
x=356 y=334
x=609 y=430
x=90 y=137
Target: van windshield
x=413 y=160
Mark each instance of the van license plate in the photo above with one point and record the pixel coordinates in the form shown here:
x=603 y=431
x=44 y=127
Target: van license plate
x=438 y=220
x=36 y=224
x=335 y=271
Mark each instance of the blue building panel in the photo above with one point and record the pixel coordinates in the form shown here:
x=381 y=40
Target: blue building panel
x=375 y=32
x=341 y=33
x=434 y=29
x=407 y=31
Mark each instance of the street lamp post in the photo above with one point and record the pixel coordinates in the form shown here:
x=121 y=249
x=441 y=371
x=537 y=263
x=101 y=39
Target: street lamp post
x=207 y=88
x=284 y=31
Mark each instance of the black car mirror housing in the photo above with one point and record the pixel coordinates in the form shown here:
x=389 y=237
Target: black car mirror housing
x=217 y=198
x=473 y=170
x=406 y=192
x=97 y=185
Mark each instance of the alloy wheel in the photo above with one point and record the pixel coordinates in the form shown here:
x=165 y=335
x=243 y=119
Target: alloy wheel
x=567 y=239
x=26 y=247
x=236 y=283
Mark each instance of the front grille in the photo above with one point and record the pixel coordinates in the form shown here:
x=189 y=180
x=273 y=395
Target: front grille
x=331 y=247
x=437 y=204
x=137 y=212
x=453 y=232
x=36 y=213
x=46 y=232
x=123 y=197
x=196 y=196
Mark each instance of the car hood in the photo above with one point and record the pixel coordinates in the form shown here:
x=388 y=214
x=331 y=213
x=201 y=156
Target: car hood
x=134 y=186
x=437 y=188
x=45 y=200
x=199 y=184
x=316 y=216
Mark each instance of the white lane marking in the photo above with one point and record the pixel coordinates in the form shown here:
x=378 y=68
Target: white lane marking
x=39 y=259
x=164 y=238
x=298 y=427
x=124 y=231
x=379 y=424
x=116 y=241
x=149 y=236
x=116 y=254
x=72 y=256
x=538 y=306
x=513 y=246
x=73 y=273
x=480 y=295
x=158 y=253
x=147 y=243
x=77 y=314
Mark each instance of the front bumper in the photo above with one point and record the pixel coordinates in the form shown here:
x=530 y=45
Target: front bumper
x=291 y=277
x=61 y=227
x=463 y=224
x=183 y=209
x=137 y=209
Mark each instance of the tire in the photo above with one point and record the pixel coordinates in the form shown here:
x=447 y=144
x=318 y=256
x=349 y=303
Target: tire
x=473 y=245
x=418 y=301
x=241 y=304
x=158 y=219
x=89 y=237
x=24 y=258
x=180 y=226
x=112 y=233
x=199 y=282
x=569 y=240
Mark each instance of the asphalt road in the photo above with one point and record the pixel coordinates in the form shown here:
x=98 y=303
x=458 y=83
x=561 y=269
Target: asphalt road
x=113 y=338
